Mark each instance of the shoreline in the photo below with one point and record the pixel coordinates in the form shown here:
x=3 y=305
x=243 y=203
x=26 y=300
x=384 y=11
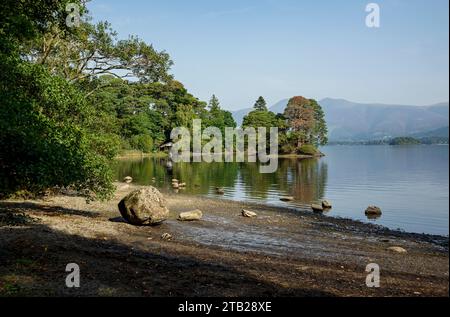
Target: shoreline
x=279 y=253
x=137 y=154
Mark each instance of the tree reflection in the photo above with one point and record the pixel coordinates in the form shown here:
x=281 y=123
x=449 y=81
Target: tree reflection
x=305 y=179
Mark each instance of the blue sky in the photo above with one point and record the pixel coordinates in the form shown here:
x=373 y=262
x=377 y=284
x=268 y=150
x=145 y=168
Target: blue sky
x=241 y=49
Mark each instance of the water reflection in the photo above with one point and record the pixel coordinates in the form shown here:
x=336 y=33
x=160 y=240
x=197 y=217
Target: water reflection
x=305 y=180
x=410 y=184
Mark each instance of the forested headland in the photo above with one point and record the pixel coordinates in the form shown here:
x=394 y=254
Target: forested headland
x=74 y=96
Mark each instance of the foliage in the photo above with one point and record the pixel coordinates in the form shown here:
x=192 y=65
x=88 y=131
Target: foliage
x=306 y=121
x=303 y=122
x=404 y=141
x=44 y=142
x=47 y=137
x=308 y=149
x=260 y=104
x=217 y=117
x=142 y=142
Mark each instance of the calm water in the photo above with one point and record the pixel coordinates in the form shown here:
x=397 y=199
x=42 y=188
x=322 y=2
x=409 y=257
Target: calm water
x=409 y=183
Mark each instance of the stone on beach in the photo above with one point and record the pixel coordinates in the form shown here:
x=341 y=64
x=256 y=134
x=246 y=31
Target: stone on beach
x=326 y=204
x=373 y=210
x=249 y=214
x=128 y=179
x=317 y=207
x=397 y=250
x=220 y=191
x=145 y=206
x=166 y=236
x=191 y=215
x=287 y=198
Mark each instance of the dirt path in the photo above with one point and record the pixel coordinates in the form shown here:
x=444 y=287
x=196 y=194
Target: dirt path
x=280 y=253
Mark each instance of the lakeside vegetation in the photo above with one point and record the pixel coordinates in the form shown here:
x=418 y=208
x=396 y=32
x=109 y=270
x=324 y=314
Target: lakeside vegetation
x=397 y=141
x=75 y=97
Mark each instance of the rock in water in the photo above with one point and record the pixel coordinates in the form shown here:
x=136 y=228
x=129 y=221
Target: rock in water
x=220 y=191
x=145 y=206
x=397 y=250
x=373 y=210
x=326 y=204
x=191 y=215
x=317 y=208
x=249 y=214
x=128 y=179
x=287 y=198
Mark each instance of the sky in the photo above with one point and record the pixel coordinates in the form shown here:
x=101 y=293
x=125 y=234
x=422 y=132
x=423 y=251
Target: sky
x=243 y=49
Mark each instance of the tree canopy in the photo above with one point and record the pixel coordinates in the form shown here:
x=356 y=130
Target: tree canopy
x=72 y=97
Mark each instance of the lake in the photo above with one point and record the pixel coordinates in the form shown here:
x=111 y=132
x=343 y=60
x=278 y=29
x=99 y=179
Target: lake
x=409 y=183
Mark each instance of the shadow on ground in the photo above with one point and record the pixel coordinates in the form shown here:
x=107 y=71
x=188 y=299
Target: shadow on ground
x=33 y=258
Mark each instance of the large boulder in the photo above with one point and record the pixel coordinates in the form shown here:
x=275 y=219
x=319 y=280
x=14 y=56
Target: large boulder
x=145 y=206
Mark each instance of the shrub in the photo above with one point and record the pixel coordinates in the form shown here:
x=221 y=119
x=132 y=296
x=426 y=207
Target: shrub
x=44 y=141
x=308 y=149
x=142 y=142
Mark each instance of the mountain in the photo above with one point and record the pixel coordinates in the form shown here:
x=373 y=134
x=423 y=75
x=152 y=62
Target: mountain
x=438 y=133
x=351 y=121
x=240 y=114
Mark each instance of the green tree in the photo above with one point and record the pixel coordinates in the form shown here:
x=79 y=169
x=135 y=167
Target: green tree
x=46 y=138
x=260 y=104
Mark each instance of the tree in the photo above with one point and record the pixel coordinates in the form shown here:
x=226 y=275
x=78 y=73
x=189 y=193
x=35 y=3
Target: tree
x=260 y=104
x=306 y=121
x=92 y=50
x=46 y=137
x=261 y=117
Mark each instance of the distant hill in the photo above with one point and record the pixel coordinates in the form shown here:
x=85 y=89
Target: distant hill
x=440 y=133
x=351 y=121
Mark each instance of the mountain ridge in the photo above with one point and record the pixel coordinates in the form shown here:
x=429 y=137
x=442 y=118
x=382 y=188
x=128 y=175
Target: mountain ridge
x=352 y=121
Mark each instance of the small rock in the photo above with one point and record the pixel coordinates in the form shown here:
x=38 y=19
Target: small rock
x=373 y=210
x=220 y=191
x=166 y=236
x=317 y=208
x=175 y=186
x=191 y=215
x=397 y=250
x=249 y=214
x=182 y=184
x=287 y=198
x=174 y=180
x=128 y=179
x=326 y=204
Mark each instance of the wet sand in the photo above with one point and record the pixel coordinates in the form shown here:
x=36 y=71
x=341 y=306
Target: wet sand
x=279 y=253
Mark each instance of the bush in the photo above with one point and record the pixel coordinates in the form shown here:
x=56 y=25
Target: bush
x=142 y=142
x=308 y=149
x=44 y=141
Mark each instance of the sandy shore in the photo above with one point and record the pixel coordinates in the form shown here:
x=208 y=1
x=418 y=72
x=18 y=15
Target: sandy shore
x=280 y=253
